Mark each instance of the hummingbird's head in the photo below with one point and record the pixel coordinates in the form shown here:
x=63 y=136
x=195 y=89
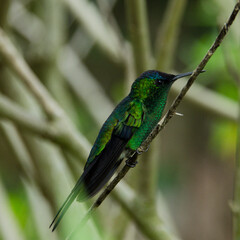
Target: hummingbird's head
x=153 y=84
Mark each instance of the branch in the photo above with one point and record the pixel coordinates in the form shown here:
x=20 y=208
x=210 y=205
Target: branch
x=168 y=115
x=209 y=101
x=74 y=71
x=33 y=124
x=69 y=135
x=20 y=67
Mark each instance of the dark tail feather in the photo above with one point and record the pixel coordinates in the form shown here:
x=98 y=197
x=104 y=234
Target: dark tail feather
x=78 y=189
x=95 y=176
x=103 y=167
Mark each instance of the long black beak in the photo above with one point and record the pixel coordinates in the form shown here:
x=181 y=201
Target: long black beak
x=184 y=75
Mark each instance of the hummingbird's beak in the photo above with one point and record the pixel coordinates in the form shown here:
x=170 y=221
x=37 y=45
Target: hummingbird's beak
x=184 y=75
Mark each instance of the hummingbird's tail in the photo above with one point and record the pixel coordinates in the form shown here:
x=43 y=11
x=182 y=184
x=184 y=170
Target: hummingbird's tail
x=102 y=168
x=78 y=189
x=95 y=176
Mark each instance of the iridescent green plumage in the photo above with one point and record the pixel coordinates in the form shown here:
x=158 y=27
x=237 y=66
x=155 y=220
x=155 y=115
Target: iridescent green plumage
x=126 y=128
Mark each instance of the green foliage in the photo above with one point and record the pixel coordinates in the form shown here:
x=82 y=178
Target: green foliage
x=223 y=140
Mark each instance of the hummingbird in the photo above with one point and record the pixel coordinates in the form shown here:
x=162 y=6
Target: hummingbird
x=125 y=130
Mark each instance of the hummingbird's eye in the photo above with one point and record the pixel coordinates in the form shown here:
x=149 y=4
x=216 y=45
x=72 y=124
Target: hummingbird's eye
x=159 y=82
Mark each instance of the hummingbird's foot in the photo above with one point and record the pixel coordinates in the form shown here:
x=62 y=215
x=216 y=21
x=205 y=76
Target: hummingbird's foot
x=130 y=164
x=141 y=150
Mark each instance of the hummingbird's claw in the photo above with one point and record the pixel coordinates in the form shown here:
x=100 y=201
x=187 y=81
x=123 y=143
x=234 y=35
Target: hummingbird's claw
x=131 y=164
x=143 y=150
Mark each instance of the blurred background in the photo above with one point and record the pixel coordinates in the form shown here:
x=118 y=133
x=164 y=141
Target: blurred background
x=86 y=53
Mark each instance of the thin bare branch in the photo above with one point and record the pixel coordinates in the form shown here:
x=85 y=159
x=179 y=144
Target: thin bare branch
x=170 y=112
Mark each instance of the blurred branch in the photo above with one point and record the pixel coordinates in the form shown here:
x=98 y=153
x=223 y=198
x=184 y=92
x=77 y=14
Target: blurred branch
x=209 y=101
x=19 y=149
x=170 y=112
x=20 y=67
x=69 y=134
x=81 y=81
x=20 y=17
x=9 y=228
x=41 y=212
x=138 y=28
x=152 y=228
x=97 y=27
x=22 y=118
x=53 y=14
x=168 y=34
x=84 y=85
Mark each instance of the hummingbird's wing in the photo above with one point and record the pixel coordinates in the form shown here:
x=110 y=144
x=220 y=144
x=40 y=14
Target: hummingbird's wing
x=104 y=156
x=101 y=165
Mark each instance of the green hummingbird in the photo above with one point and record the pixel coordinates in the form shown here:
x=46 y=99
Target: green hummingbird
x=126 y=128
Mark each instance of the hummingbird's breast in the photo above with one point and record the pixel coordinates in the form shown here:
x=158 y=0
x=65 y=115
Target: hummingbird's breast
x=152 y=116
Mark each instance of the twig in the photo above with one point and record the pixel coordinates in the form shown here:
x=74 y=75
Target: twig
x=170 y=112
